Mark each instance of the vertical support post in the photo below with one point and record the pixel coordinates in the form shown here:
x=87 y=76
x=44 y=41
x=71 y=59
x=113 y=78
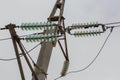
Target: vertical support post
x=43 y=60
x=46 y=48
x=13 y=36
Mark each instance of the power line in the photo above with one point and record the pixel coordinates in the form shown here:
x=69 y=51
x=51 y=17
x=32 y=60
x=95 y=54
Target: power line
x=92 y=60
x=11 y=59
x=113 y=26
x=5 y=39
x=40 y=69
x=19 y=36
x=112 y=23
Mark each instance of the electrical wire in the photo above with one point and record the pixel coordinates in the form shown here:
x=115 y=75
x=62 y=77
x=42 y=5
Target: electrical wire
x=112 y=23
x=113 y=26
x=40 y=69
x=11 y=38
x=92 y=60
x=5 y=39
x=20 y=36
x=11 y=59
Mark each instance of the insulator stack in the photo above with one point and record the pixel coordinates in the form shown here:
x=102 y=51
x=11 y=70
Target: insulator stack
x=87 y=33
x=41 y=37
x=85 y=25
x=65 y=68
x=37 y=26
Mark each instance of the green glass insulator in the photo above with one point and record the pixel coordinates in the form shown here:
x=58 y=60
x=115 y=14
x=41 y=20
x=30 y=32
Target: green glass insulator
x=40 y=24
x=87 y=24
x=22 y=26
x=72 y=25
x=53 y=39
x=77 y=25
x=84 y=24
x=96 y=22
x=44 y=37
x=89 y=33
x=91 y=23
x=48 y=37
x=48 y=24
x=81 y=24
x=51 y=24
x=43 y=24
x=75 y=34
x=38 y=40
x=36 y=26
x=40 y=37
x=86 y=33
x=31 y=25
x=27 y=40
x=93 y=33
x=99 y=30
x=35 y=39
x=26 y=26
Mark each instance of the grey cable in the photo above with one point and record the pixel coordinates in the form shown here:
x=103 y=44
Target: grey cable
x=11 y=59
x=92 y=60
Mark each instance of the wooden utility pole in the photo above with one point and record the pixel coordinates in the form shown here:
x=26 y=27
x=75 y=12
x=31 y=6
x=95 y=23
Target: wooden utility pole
x=17 y=44
x=46 y=48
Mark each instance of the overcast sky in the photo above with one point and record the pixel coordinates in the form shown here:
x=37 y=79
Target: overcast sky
x=82 y=50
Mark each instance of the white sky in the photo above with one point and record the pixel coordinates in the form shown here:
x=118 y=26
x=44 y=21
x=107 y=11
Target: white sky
x=81 y=50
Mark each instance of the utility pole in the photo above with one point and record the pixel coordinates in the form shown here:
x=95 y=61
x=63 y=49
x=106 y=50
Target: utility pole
x=53 y=30
x=17 y=44
x=46 y=48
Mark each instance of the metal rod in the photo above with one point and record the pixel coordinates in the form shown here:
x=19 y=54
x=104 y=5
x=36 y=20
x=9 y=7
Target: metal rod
x=27 y=60
x=66 y=47
x=54 y=9
x=62 y=49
